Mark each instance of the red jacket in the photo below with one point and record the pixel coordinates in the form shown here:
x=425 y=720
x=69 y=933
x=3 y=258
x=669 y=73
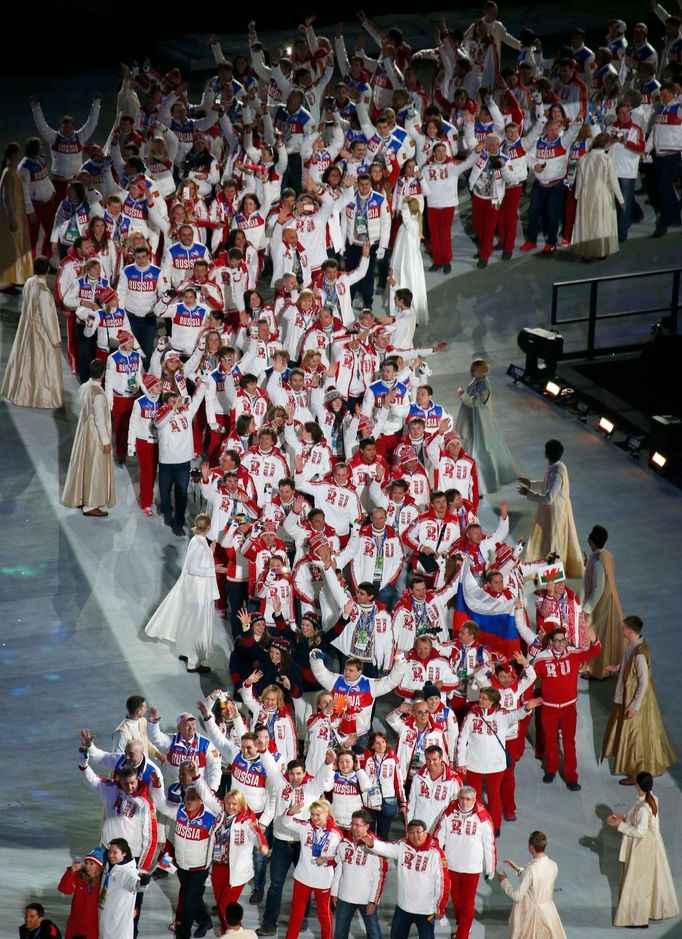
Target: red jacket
x=83 y=918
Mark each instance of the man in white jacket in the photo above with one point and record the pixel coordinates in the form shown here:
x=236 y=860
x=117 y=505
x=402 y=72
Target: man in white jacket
x=173 y=422
x=359 y=880
x=423 y=881
x=465 y=833
x=367 y=220
x=296 y=789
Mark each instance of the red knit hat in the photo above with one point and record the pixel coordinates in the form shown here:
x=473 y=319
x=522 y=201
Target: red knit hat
x=504 y=553
x=364 y=423
x=317 y=540
x=106 y=295
x=149 y=380
x=451 y=437
x=404 y=454
x=123 y=335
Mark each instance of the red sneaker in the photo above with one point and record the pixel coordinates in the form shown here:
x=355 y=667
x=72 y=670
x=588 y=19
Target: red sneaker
x=565 y=242
x=510 y=816
x=528 y=246
x=548 y=249
x=146 y=510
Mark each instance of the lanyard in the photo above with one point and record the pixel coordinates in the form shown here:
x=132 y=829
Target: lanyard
x=320 y=843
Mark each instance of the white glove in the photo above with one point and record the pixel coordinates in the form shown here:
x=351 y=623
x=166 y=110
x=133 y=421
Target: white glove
x=380 y=253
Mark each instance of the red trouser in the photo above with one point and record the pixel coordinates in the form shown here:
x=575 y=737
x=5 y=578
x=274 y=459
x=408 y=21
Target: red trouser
x=223 y=891
x=60 y=187
x=493 y=800
x=515 y=750
x=215 y=438
x=463 y=894
x=554 y=720
x=220 y=557
x=148 y=460
x=460 y=707
x=72 y=343
x=570 y=207
x=508 y=217
x=198 y=427
x=485 y=216
x=121 y=411
x=44 y=212
x=299 y=901
x=440 y=230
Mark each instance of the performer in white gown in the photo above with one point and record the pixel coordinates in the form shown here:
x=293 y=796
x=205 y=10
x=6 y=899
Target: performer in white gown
x=534 y=915
x=407 y=266
x=186 y=615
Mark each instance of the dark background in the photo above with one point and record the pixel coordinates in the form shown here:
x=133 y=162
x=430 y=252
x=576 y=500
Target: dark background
x=70 y=38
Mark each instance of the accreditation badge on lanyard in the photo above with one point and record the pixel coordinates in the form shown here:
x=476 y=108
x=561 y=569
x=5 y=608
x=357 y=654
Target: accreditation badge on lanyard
x=319 y=842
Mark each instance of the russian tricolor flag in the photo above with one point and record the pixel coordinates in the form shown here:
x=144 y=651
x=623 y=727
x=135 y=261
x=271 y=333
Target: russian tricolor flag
x=494 y=616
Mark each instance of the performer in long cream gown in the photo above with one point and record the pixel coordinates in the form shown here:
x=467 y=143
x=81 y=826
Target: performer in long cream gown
x=90 y=476
x=601 y=605
x=16 y=264
x=647 y=891
x=595 y=233
x=407 y=265
x=635 y=735
x=33 y=375
x=187 y=614
x=481 y=437
x=553 y=527
x=534 y=915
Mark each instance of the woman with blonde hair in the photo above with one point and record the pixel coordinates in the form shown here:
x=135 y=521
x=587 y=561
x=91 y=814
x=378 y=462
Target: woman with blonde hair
x=136 y=239
x=186 y=616
x=314 y=873
x=236 y=837
x=477 y=426
x=407 y=266
x=647 y=890
x=271 y=710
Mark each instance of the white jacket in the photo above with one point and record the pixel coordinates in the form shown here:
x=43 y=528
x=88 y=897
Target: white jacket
x=125 y=816
x=362 y=693
x=359 y=876
x=429 y=797
x=468 y=840
x=363 y=562
x=378 y=221
x=176 y=443
x=443 y=179
x=284 y=730
x=117 y=901
x=481 y=738
x=317 y=876
x=247 y=776
x=347 y=795
x=285 y=795
x=422 y=886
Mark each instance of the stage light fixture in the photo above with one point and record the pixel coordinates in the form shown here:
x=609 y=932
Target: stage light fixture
x=658 y=460
x=517 y=373
x=633 y=445
x=552 y=389
x=606 y=426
